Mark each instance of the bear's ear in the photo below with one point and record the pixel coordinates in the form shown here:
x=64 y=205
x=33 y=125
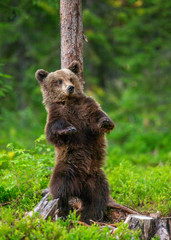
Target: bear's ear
x=41 y=75
x=74 y=67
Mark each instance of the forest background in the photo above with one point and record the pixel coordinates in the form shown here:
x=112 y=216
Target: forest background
x=127 y=69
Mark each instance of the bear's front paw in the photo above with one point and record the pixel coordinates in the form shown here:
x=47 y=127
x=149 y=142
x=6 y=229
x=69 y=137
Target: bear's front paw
x=68 y=130
x=106 y=123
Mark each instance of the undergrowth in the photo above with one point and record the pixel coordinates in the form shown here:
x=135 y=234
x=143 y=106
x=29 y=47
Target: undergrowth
x=36 y=228
x=24 y=172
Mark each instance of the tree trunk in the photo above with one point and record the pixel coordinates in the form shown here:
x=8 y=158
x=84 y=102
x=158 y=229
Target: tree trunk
x=71 y=33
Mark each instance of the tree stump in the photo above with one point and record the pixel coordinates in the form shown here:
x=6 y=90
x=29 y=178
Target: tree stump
x=46 y=208
x=150 y=226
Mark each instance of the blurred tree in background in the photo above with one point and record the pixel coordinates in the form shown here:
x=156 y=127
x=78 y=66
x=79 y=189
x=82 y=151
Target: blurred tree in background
x=126 y=64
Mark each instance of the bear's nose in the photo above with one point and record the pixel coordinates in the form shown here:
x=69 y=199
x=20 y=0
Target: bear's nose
x=70 y=89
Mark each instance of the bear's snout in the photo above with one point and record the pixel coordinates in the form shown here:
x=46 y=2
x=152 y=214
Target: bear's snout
x=70 y=89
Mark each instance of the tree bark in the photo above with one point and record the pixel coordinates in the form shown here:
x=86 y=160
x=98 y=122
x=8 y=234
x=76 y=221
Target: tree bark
x=71 y=33
x=46 y=208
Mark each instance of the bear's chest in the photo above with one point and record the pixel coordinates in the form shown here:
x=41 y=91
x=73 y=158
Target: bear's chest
x=76 y=112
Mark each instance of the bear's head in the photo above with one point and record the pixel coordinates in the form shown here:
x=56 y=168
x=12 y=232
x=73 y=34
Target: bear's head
x=60 y=85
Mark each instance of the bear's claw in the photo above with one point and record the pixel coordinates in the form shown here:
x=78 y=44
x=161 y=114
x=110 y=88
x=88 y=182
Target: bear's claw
x=68 y=130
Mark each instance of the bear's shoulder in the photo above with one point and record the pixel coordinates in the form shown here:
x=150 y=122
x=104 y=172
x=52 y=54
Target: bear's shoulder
x=90 y=101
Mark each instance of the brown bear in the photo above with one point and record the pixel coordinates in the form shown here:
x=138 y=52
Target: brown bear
x=76 y=125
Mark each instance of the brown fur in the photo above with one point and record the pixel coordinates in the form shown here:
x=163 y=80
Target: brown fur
x=76 y=126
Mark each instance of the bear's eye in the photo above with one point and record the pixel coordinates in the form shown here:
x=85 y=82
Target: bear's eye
x=71 y=80
x=60 y=81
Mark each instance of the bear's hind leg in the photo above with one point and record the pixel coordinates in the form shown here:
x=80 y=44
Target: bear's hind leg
x=59 y=189
x=63 y=185
x=95 y=197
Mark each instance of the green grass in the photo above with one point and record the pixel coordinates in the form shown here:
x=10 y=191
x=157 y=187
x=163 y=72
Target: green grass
x=146 y=190
x=35 y=228
x=24 y=172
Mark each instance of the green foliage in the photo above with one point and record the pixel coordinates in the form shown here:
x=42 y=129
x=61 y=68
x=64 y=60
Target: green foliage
x=149 y=192
x=35 y=228
x=4 y=85
x=17 y=179
x=25 y=172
